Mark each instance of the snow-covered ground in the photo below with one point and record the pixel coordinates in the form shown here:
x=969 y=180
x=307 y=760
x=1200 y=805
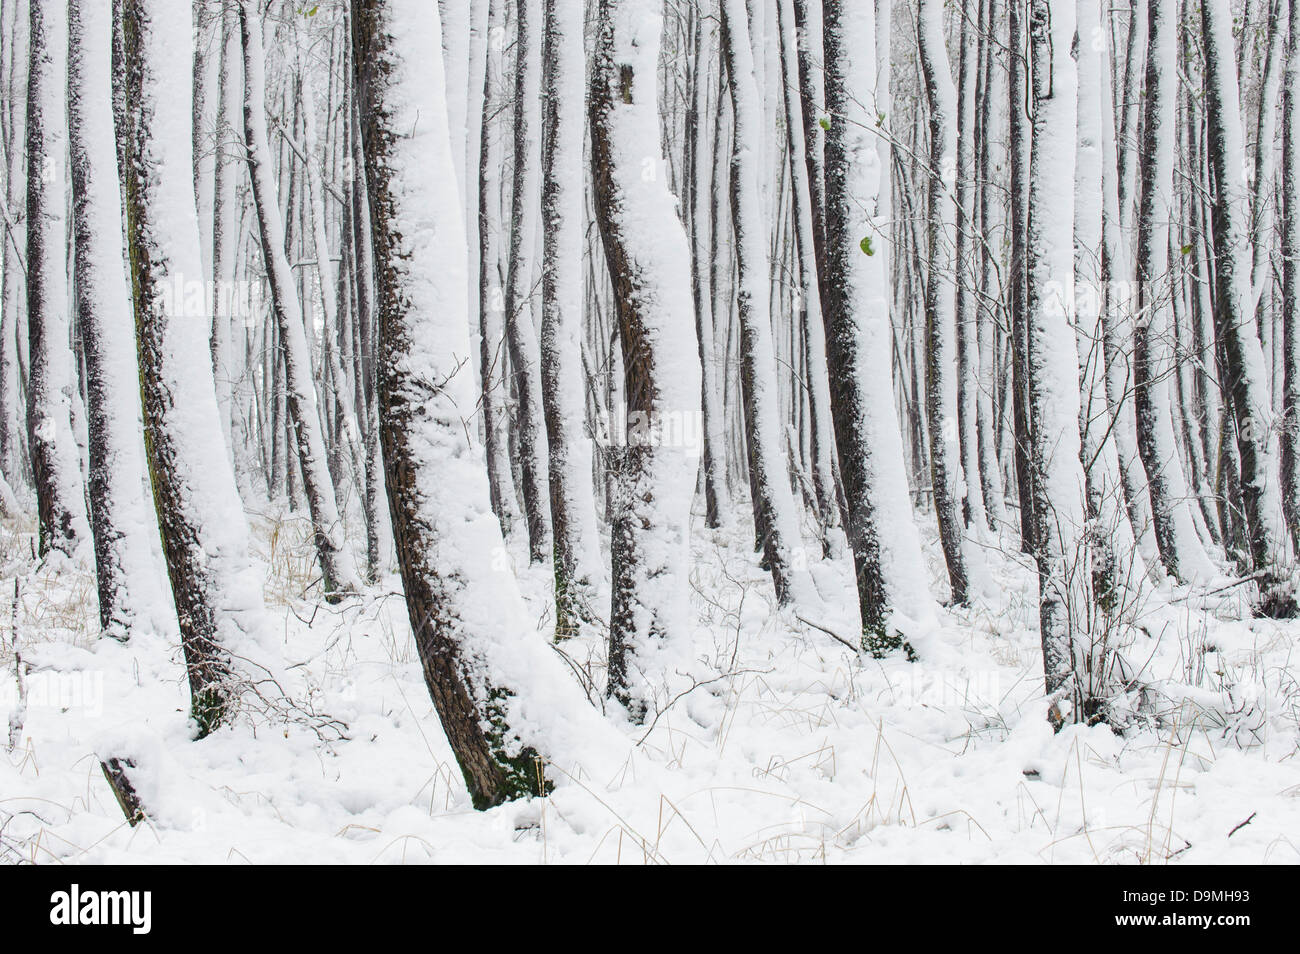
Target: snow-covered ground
x=781 y=744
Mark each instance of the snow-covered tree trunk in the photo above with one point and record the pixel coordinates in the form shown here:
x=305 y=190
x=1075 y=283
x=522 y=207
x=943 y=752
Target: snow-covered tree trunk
x=941 y=360
x=379 y=538
x=215 y=586
x=812 y=100
x=1019 y=133
x=505 y=702
x=521 y=277
x=1111 y=537
x=775 y=520
x=1180 y=549
x=338 y=569
x=56 y=462
x=1062 y=547
x=225 y=213
x=812 y=321
x=965 y=188
x=700 y=191
x=992 y=163
x=1243 y=366
x=342 y=392
x=887 y=560
x=648 y=258
x=1290 y=434
x=121 y=516
x=492 y=350
x=1117 y=318
x=576 y=544
x=14 y=64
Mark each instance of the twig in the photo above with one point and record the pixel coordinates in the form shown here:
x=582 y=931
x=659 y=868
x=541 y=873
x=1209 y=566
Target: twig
x=1242 y=825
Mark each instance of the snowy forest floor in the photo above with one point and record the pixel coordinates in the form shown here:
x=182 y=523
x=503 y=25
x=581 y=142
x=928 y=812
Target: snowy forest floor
x=782 y=746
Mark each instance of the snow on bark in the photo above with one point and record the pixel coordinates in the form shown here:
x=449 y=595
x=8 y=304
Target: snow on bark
x=504 y=699
x=576 y=543
x=973 y=513
x=1290 y=435
x=1181 y=550
x=521 y=331
x=1019 y=135
x=775 y=519
x=338 y=568
x=216 y=587
x=941 y=360
x=703 y=225
x=491 y=338
x=1247 y=380
x=56 y=461
x=341 y=392
x=122 y=517
x=1117 y=319
x=809 y=35
x=993 y=231
x=225 y=212
x=812 y=320
x=887 y=558
x=13 y=328
x=648 y=257
x=1062 y=547
x=1111 y=536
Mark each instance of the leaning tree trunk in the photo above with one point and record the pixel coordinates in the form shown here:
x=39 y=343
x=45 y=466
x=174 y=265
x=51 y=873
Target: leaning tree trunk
x=887 y=559
x=204 y=533
x=1180 y=549
x=776 y=522
x=576 y=543
x=941 y=403
x=338 y=569
x=466 y=614
x=121 y=516
x=649 y=265
x=1244 y=371
x=56 y=462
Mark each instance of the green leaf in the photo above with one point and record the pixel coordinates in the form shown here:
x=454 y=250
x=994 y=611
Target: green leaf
x=865 y=245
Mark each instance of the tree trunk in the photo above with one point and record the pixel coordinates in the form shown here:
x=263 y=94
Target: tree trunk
x=204 y=533
x=1059 y=492
x=649 y=265
x=573 y=512
x=60 y=492
x=1243 y=369
x=775 y=520
x=521 y=332
x=338 y=570
x=887 y=560
x=1180 y=549
x=941 y=360
x=465 y=615
x=121 y=516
